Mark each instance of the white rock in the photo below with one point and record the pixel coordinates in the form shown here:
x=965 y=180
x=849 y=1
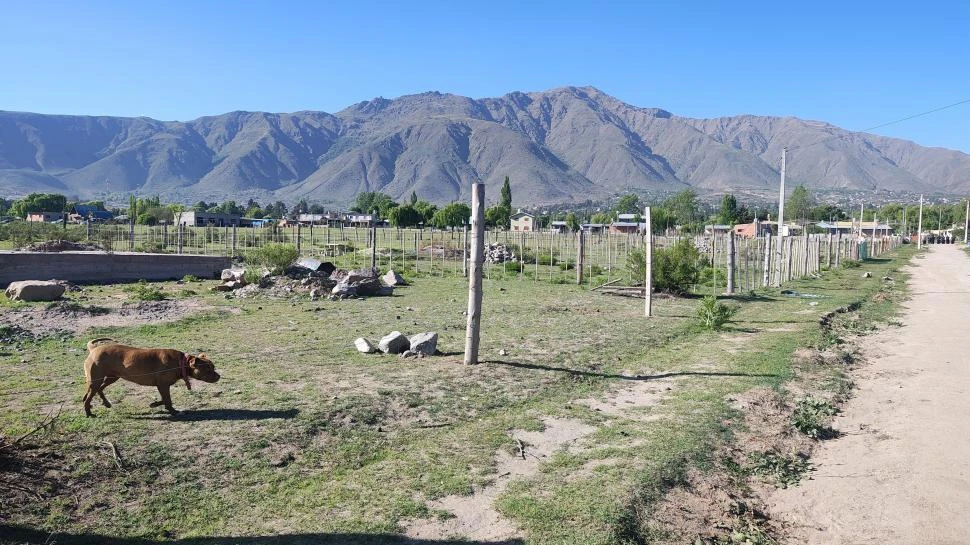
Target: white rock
x=394 y=343
x=425 y=343
x=364 y=346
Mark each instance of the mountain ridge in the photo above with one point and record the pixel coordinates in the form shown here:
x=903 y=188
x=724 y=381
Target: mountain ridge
x=560 y=145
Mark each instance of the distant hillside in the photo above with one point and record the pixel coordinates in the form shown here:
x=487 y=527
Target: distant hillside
x=567 y=144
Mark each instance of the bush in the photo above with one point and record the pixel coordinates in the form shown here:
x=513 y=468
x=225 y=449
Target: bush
x=675 y=269
x=512 y=267
x=143 y=291
x=710 y=275
x=712 y=314
x=810 y=416
x=851 y=264
x=191 y=278
x=548 y=260
x=275 y=257
x=151 y=247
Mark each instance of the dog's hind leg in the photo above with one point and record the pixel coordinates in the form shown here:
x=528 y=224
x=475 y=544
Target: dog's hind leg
x=104 y=384
x=88 y=396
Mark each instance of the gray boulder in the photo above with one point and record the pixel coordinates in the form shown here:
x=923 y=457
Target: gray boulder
x=343 y=291
x=425 y=344
x=364 y=346
x=229 y=275
x=393 y=279
x=394 y=343
x=35 y=290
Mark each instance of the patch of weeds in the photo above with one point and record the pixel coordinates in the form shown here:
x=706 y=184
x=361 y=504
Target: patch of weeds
x=143 y=291
x=810 y=416
x=712 y=314
x=275 y=257
x=78 y=308
x=851 y=263
x=746 y=532
x=187 y=293
x=783 y=471
x=191 y=278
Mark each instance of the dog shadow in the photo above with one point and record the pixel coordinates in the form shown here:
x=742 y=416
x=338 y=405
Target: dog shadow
x=199 y=415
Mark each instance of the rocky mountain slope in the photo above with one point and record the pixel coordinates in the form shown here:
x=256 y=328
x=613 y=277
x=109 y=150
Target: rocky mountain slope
x=566 y=144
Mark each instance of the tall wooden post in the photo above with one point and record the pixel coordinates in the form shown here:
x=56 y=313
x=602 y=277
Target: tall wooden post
x=580 y=256
x=966 y=222
x=648 y=256
x=919 y=228
x=373 y=237
x=299 y=238
x=805 y=271
x=766 y=281
x=234 y=239
x=131 y=236
x=473 y=330
x=731 y=262
x=181 y=230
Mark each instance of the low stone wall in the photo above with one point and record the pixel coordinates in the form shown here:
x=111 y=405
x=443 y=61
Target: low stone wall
x=104 y=267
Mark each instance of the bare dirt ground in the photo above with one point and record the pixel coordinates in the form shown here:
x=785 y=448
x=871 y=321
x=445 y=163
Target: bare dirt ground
x=76 y=318
x=901 y=472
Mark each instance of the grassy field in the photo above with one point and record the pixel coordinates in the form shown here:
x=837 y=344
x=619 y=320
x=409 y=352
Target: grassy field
x=307 y=439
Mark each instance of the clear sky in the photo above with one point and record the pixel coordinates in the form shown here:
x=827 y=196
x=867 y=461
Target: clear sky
x=854 y=64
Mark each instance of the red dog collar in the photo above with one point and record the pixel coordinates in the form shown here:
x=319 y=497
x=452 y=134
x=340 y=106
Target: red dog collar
x=184 y=370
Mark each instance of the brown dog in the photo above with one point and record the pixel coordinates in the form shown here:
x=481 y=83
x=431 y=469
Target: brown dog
x=159 y=367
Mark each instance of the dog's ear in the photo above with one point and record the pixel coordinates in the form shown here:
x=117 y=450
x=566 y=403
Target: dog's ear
x=202 y=356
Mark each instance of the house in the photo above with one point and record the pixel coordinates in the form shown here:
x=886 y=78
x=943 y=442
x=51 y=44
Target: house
x=84 y=212
x=203 y=219
x=627 y=217
x=330 y=219
x=592 y=228
x=360 y=220
x=852 y=227
x=45 y=217
x=522 y=221
x=754 y=229
x=716 y=229
x=618 y=227
x=559 y=227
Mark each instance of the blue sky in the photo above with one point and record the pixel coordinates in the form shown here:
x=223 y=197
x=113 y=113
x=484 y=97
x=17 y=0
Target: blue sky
x=854 y=64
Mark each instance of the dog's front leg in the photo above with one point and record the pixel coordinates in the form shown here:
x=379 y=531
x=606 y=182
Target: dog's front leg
x=166 y=394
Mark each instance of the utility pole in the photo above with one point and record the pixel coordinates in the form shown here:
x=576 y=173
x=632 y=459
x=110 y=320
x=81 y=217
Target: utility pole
x=862 y=215
x=919 y=228
x=473 y=329
x=781 y=216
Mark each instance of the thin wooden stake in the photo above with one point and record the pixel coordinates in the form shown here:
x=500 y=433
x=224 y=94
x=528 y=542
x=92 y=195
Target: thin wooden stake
x=648 y=258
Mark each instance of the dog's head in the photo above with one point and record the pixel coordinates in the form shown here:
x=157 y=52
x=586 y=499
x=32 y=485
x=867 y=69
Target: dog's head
x=202 y=368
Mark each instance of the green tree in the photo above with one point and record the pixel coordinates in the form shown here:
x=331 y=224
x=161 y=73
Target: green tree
x=414 y=198
x=405 y=216
x=426 y=209
x=38 y=202
x=683 y=208
x=368 y=201
x=498 y=216
x=729 y=213
x=799 y=204
x=572 y=221
x=452 y=215
x=506 y=199
x=628 y=204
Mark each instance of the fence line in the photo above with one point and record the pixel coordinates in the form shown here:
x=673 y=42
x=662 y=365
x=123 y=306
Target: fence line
x=540 y=256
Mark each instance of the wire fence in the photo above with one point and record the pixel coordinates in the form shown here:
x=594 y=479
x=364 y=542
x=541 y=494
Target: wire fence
x=537 y=256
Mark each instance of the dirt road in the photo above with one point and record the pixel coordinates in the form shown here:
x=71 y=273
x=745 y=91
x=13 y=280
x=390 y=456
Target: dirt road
x=901 y=473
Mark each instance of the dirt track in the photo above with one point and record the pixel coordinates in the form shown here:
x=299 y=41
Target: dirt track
x=901 y=472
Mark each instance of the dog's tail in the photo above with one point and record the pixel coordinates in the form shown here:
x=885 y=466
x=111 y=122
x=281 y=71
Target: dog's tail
x=99 y=341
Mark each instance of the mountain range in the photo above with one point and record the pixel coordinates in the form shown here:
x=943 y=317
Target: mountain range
x=557 y=146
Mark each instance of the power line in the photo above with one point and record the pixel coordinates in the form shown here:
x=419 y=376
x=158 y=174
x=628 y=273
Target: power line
x=900 y=120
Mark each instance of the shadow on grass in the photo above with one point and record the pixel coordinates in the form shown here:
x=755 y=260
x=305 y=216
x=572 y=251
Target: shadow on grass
x=577 y=372
x=222 y=414
x=20 y=534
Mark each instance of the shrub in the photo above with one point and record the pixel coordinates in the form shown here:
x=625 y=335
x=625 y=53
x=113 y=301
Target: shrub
x=712 y=277
x=191 y=278
x=810 y=416
x=275 y=257
x=512 y=267
x=143 y=291
x=783 y=470
x=712 y=314
x=547 y=260
x=851 y=264
x=675 y=269
x=151 y=247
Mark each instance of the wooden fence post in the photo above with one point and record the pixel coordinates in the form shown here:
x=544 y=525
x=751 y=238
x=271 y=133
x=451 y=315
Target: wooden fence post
x=648 y=257
x=181 y=236
x=580 y=256
x=473 y=330
x=767 y=273
x=788 y=265
x=732 y=261
x=464 y=249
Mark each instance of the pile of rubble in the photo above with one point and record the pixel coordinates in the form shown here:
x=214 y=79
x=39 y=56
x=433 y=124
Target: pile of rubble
x=421 y=345
x=54 y=246
x=312 y=278
x=498 y=253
